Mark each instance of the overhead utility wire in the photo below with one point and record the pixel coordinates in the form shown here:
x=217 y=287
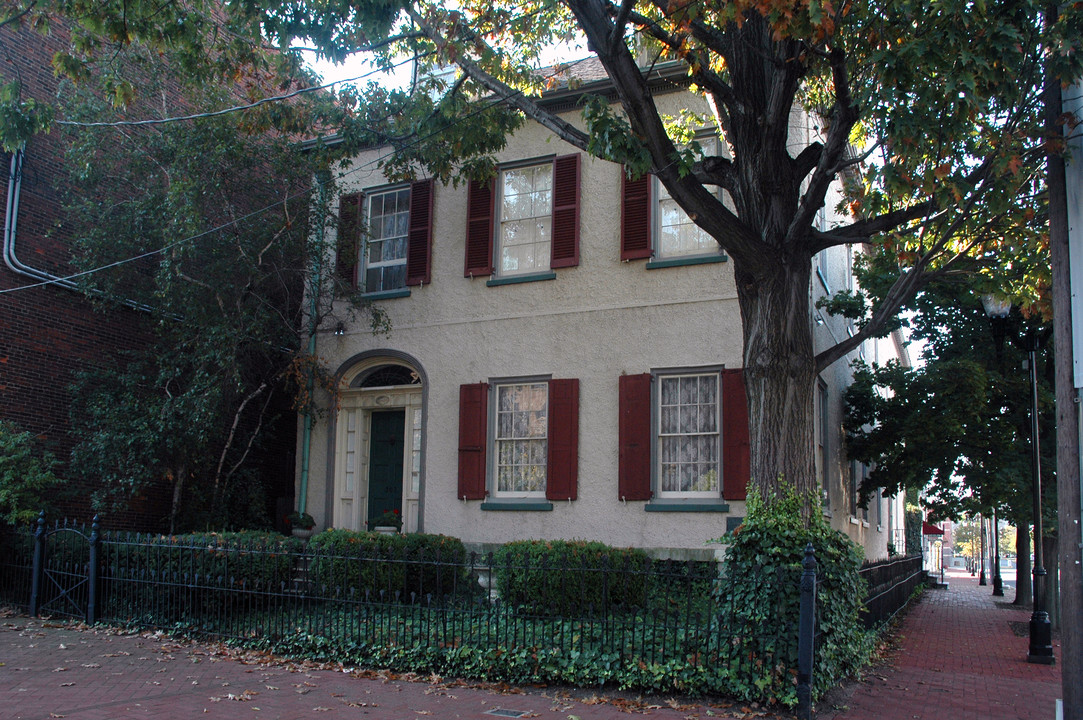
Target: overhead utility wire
x=262 y=210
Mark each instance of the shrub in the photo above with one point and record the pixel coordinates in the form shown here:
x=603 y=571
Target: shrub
x=568 y=578
x=366 y=564
x=762 y=585
x=26 y=475
x=200 y=569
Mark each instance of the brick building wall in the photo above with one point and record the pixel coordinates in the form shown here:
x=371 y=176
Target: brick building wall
x=49 y=332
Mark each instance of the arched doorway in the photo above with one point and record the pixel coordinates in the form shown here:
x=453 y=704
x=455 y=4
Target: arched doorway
x=378 y=444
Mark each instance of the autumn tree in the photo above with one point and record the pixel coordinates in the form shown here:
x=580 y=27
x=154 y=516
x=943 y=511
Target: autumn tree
x=928 y=115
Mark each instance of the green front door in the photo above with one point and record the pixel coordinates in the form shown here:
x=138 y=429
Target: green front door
x=388 y=434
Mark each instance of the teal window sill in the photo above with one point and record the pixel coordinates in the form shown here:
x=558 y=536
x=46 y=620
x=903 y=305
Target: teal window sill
x=536 y=506
x=654 y=264
x=719 y=507
x=516 y=279
x=386 y=294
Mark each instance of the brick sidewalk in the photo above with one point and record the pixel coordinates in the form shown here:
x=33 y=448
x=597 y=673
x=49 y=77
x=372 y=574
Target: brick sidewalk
x=49 y=670
x=957 y=658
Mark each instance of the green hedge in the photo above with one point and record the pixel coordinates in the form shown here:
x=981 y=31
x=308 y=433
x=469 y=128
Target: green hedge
x=571 y=578
x=374 y=566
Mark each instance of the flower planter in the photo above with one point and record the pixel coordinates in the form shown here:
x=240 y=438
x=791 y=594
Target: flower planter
x=303 y=533
x=386 y=529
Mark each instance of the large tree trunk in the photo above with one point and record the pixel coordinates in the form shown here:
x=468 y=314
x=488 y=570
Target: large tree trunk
x=1024 y=595
x=780 y=376
x=1052 y=580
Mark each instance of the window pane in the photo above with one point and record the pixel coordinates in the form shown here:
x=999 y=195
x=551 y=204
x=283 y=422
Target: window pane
x=688 y=435
x=521 y=432
x=525 y=219
x=388 y=224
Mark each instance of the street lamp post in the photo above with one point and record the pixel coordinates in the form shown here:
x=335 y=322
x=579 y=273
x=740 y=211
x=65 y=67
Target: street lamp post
x=1041 y=635
x=998 y=585
x=981 y=535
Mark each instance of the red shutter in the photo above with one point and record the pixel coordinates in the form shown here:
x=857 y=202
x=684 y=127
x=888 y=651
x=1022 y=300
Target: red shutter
x=473 y=410
x=736 y=458
x=565 y=237
x=479 y=228
x=349 y=238
x=634 y=465
x=419 y=245
x=562 y=476
x=635 y=217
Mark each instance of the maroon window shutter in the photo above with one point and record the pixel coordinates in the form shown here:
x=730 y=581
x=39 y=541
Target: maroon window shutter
x=349 y=238
x=473 y=409
x=635 y=218
x=736 y=457
x=479 y=228
x=562 y=476
x=634 y=464
x=419 y=244
x=565 y=237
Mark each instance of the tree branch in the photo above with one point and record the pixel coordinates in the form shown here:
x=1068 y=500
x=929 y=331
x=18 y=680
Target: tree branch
x=232 y=434
x=843 y=117
x=561 y=128
x=705 y=209
x=862 y=230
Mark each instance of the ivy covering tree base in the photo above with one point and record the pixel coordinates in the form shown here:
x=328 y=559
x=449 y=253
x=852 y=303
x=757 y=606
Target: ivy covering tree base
x=771 y=541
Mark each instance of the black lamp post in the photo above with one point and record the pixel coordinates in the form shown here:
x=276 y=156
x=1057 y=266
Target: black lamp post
x=998 y=585
x=981 y=534
x=1041 y=634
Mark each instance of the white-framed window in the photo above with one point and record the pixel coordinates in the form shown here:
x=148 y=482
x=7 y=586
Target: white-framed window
x=387 y=214
x=525 y=219
x=821 y=420
x=675 y=235
x=520 y=439
x=688 y=435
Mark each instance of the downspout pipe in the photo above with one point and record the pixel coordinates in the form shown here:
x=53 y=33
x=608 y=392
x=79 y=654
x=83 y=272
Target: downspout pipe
x=11 y=226
x=315 y=284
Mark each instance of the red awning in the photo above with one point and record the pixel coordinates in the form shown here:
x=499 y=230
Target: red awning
x=930 y=529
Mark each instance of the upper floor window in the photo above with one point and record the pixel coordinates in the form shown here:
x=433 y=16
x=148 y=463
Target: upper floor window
x=526 y=222
x=677 y=235
x=526 y=219
x=385 y=238
x=653 y=225
x=384 y=254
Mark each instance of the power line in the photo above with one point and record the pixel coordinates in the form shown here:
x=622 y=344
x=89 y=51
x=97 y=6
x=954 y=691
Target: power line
x=236 y=108
x=260 y=211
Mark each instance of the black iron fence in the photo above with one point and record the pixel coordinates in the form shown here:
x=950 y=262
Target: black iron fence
x=889 y=585
x=652 y=625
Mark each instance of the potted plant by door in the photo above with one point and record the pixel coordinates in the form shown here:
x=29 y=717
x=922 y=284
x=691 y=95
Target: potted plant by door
x=301 y=525
x=389 y=523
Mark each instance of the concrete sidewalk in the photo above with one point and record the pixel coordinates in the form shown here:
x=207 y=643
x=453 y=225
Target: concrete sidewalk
x=957 y=655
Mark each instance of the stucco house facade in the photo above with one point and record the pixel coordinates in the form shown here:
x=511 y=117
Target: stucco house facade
x=564 y=360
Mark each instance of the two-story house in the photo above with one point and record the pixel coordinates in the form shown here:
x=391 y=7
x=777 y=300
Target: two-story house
x=564 y=359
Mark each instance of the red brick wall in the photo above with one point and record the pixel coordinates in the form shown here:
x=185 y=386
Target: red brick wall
x=49 y=333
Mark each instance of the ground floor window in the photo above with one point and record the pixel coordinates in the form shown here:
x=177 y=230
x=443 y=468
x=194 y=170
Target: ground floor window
x=688 y=435
x=521 y=438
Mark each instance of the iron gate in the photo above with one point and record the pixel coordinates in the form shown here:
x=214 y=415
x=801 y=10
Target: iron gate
x=65 y=570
